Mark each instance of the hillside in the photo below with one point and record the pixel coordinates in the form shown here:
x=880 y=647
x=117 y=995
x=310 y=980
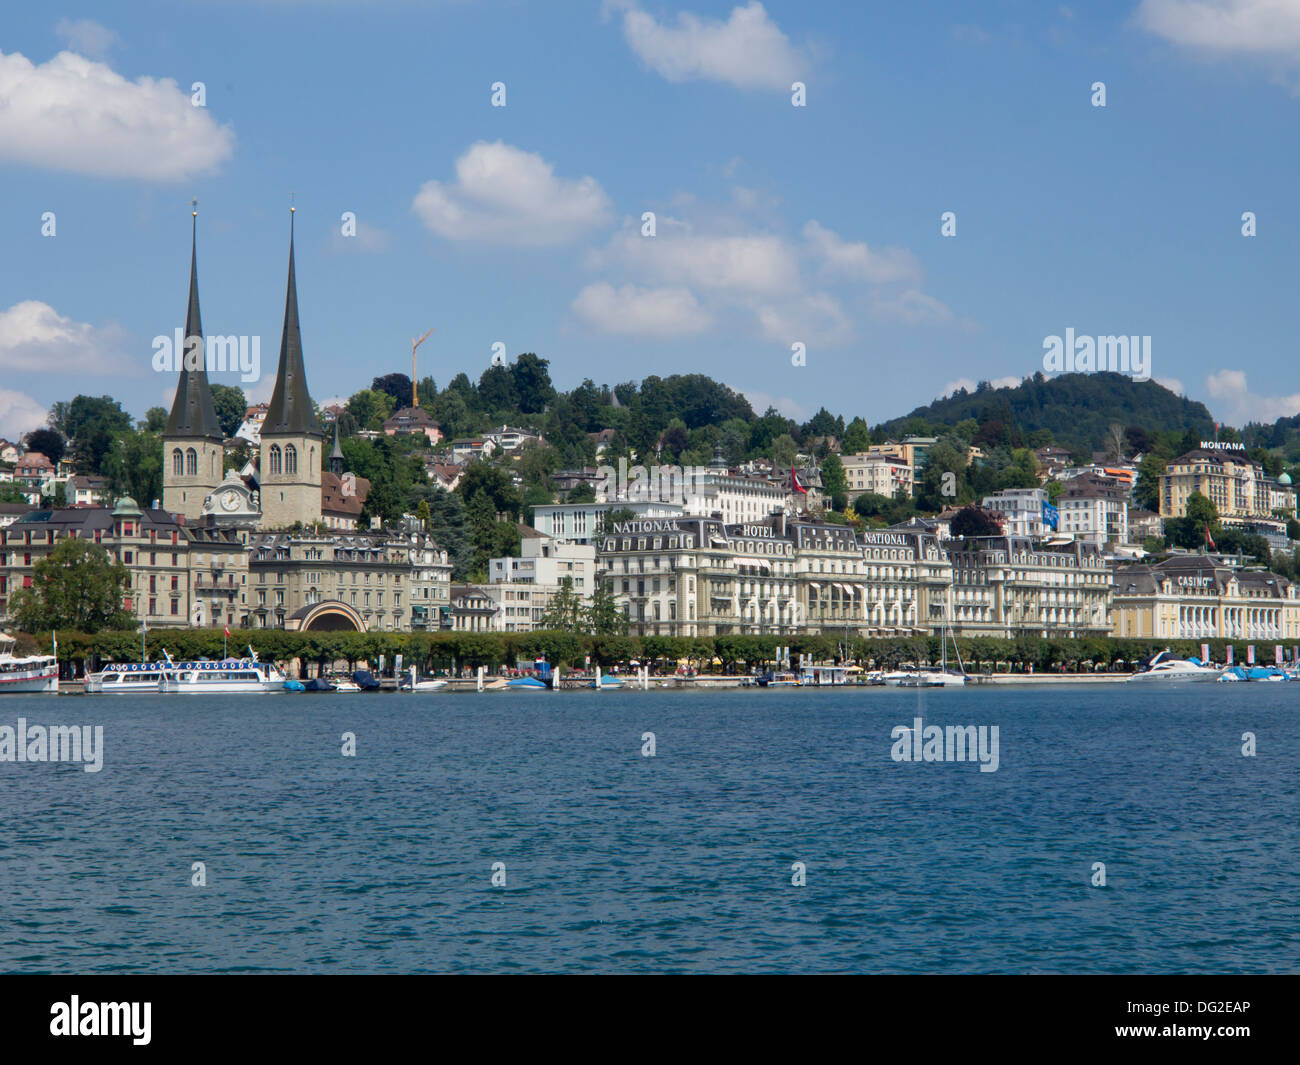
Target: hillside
x=1078 y=409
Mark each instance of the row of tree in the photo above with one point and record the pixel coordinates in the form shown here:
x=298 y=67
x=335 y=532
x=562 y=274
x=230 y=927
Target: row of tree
x=431 y=651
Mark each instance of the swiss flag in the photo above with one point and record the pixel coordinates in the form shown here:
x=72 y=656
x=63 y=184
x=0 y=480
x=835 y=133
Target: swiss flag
x=794 y=482
x=227 y=630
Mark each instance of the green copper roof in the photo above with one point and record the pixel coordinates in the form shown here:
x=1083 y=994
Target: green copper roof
x=291 y=410
x=193 y=414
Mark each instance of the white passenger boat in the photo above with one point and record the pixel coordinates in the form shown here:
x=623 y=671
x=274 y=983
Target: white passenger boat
x=228 y=676
x=31 y=673
x=1167 y=666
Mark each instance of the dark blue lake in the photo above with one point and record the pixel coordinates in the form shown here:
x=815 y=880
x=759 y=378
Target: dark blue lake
x=616 y=862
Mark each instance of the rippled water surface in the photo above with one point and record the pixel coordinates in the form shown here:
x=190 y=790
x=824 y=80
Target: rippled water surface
x=678 y=862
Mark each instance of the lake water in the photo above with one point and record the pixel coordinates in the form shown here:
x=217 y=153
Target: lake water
x=617 y=862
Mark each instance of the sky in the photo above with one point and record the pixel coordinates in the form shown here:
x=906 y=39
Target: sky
x=797 y=252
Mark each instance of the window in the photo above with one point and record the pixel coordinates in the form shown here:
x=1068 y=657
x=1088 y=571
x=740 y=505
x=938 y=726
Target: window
x=178 y=462
x=191 y=462
x=275 y=458
x=290 y=459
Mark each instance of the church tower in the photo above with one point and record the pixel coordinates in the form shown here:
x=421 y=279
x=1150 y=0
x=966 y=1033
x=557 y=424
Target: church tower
x=289 y=456
x=193 y=455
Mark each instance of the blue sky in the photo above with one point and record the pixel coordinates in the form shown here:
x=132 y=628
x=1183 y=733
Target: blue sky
x=775 y=224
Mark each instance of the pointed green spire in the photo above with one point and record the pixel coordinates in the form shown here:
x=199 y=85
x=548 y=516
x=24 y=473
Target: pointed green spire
x=290 y=409
x=193 y=413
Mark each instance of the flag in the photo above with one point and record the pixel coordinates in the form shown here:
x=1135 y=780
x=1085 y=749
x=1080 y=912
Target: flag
x=1209 y=540
x=227 y=630
x=1051 y=516
x=794 y=482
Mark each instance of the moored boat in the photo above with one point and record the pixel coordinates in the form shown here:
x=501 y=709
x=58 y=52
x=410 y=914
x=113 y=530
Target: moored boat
x=29 y=673
x=1167 y=666
x=227 y=676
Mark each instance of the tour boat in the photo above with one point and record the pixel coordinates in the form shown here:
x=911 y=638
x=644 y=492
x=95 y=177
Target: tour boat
x=228 y=676
x=1167 y=666
x=31 y=673
x=778 y=680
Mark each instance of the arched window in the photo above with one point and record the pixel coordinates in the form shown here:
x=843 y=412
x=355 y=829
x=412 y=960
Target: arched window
x=290 y=459
x=212 y=464
x=178 y=462
x=191 y=462
x=275 y=458
x=311 y=462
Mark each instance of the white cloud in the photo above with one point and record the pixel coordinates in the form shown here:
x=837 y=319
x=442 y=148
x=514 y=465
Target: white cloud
x=633 y=311
x=19 y=414
x=748 y=263
x=368 y=238
x=505 y=195
x=858 y=262
x=1250 y=27
x=748 y=50
x=813 y=319
x=86 y=36
x=760 y=401
x=1173 y=384
x=1237 y=405
x=35 y=338
x=72 y=113
x=1010 y=381
x=912 y=307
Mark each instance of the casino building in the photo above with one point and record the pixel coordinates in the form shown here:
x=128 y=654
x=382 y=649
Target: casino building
x=1201 y=597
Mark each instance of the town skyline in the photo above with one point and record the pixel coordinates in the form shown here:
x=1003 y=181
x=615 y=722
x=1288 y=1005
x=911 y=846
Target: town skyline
x=819 y=225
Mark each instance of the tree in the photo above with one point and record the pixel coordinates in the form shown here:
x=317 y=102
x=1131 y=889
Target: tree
x=1146 y=493
x=371 y=409
x=857 y=438
x=565 y=612
x=155 y=420
x=783 y=451
x=604 y=618
x=532 y=383
x=610 y=518
x=49 y=442
x=11 y=493
x=448 y=526
x=78 y=585
x=397 y=386
x=973 y=521
x=834 y=481
x=231 y=405
x=93 y=425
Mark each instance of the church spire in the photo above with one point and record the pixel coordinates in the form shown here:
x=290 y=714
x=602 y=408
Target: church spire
x=290 y=409
x=193 y=413
x=336 y=456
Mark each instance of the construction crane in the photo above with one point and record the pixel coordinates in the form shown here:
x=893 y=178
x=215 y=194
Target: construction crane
x=415 y=398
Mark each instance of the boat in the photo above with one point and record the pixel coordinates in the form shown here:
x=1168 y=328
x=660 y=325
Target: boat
x=601 y=683
x=292 y=685
x=1168 y=667
x=526 y=684
x=366 y=681
x=28 y=673
x=319 y=684
x=227 y=676
x=773 y=679
x=412 y=683
x=345 y=685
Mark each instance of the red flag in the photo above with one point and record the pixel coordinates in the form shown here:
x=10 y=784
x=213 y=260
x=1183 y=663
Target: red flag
x=1209 y=540
x=227 y=630
x=794 y=482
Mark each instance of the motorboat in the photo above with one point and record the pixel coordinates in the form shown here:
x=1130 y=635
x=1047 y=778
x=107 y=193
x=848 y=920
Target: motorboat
x=28 y=673
x=319 y=684
x=526 y=684
x=1167 y=666
x=226 y=676
x=366 y=681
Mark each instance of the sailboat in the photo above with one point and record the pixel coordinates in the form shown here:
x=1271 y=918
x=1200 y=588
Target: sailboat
x=943 y=677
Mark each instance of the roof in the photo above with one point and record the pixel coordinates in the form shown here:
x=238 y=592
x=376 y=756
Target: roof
x=35 y=458
x=193 y=413
x=290 y=409
x=410 y=416
x=332 y=499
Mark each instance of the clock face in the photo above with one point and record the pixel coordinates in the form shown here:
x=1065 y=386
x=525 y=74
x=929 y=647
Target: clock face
x=230 y=500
